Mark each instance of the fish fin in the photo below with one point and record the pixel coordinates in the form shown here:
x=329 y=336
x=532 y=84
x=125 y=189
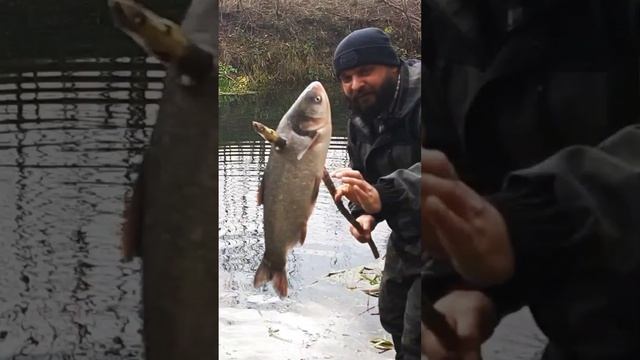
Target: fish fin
x=313 y=142
x=280 y=283
x=303 y=233
x=263 y=275
x=131 y=239
x=260 y=195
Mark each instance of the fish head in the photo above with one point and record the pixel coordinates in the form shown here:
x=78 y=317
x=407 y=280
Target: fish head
x=311 y=112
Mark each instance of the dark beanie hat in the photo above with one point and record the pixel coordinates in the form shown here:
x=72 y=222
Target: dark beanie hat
x=364 y=47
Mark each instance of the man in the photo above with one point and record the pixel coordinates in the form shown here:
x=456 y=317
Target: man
x=506 y=91
x=383 y=181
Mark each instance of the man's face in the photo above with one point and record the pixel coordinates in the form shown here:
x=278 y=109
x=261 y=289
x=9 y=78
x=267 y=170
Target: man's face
x=369 y=89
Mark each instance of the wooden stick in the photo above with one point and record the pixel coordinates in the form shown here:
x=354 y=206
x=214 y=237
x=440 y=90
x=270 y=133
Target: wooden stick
x=326 y=178
x=272 y=136
x=269 y=134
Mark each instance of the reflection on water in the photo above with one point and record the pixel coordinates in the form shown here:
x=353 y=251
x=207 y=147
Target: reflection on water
x=242 y=159
x=71 y=134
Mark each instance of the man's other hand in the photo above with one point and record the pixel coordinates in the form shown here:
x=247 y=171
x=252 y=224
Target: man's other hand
x=368 y=223
x=462 y=226
x=472 y=316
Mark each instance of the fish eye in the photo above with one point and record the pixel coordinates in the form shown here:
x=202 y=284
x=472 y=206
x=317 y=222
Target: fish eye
x=317 y=99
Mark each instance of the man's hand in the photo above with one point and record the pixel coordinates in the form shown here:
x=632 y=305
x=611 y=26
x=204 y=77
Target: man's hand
x=439 y=166
x=355 y=188
x=472 y=316
x=368 y=223
x=462 y=226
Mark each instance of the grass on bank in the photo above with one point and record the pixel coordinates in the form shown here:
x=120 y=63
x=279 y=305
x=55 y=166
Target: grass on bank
x=263 y=42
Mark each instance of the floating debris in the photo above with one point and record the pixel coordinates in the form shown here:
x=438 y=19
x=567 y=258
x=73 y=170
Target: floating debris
x=382 y=344
x=375 y=280
x=335 y=273
x=274 y=333
x=372 y=292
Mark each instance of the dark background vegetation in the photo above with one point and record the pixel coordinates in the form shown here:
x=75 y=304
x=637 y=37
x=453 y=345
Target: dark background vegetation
x=293 y=40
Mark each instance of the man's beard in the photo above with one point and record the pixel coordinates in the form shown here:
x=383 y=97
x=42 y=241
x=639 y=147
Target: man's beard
x=363 y=106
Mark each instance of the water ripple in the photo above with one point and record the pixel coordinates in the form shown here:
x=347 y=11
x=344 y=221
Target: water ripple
x=70 y=141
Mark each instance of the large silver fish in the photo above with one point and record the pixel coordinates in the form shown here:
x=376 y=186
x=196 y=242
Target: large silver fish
x=291 y=181
x=171 y=219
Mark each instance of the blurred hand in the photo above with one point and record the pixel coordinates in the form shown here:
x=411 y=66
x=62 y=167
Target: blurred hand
x=355 y=188
x=462 y=226
x=439 y=166
x=368 y=223
x=472 y=316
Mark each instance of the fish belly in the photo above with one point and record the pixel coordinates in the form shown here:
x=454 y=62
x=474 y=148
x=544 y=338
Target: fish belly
x=288 y=202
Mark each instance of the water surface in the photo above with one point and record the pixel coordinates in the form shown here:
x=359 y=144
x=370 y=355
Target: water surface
x=71 y=135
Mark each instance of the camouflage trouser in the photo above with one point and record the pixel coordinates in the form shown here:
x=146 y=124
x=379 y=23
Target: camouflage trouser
x=400 y=307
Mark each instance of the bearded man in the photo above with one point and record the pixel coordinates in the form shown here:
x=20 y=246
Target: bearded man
x=383 y=180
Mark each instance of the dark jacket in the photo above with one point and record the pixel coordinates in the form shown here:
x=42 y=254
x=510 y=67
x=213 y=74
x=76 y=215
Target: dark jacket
x=387 y=153
x=500 y=99
x=574 y=221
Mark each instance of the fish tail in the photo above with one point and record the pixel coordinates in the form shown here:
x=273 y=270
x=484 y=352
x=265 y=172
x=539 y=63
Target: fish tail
x=280 y=283
x=265 y=274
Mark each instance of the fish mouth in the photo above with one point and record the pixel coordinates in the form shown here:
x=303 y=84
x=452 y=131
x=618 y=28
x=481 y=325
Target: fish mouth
x=308 y=115
x=316 y=88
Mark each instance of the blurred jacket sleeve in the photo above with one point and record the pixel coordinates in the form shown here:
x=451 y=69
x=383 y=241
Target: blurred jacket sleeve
x=577 y=211
x=399 y=191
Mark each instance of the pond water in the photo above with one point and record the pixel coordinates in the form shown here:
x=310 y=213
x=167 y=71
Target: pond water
x=71 y=134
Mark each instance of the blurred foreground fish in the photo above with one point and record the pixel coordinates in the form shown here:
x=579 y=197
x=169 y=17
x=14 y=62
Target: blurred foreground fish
x=291 y=181
x=171 y=219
